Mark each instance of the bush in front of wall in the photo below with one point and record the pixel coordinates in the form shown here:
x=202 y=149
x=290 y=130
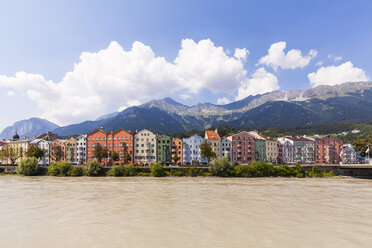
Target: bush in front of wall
x=76 y=171
x=59 y=169
x=92 y=169
x=122 y=170
x=221 y=167
x=157 y=170
x=28 y=167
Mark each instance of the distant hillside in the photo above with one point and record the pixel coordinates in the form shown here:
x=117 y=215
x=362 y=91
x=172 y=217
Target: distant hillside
x=349 y=102
x=30 y=127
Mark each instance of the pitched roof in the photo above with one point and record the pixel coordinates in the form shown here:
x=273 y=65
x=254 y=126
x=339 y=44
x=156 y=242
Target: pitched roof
x=212 y=135
x=256 y=135
x=299 y=138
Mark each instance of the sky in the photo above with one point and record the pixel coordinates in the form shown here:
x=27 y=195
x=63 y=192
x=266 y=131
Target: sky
x=71 y=61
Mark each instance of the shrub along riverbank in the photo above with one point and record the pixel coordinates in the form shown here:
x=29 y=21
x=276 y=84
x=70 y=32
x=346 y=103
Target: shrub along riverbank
x=218 y=168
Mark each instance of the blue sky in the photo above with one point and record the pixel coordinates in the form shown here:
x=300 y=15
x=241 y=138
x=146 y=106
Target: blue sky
x=47 y=38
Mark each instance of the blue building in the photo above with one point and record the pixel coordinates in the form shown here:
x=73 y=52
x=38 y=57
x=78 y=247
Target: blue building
x=191 y=150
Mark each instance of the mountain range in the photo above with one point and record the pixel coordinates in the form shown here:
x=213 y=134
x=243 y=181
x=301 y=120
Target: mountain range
x=348 y=102
x=30 y=128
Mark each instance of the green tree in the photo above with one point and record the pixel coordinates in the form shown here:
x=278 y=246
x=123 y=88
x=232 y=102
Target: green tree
x=221 y=167
x=362 y=145
x=35 y=151
x=206 y=151
x=115 y=156
x=100 y=153
x=76 y=171
x=157 y=170
x=12 y=155
x=28 y=167
x=176 y=159
x=127 y=157
x=92 y=169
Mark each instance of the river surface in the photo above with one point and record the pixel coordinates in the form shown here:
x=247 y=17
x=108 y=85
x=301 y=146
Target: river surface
x=185 y=212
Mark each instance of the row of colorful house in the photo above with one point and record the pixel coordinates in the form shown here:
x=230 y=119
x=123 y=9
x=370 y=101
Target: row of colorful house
x=145 y=147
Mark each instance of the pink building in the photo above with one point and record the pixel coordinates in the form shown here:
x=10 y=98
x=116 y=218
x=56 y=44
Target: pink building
x=243 y=148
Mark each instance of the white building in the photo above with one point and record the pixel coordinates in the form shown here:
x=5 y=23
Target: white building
x=44 y=145
x=81 y=147
x=145 y=147
x=191 y=150
x=349 y=154
x=287 y=150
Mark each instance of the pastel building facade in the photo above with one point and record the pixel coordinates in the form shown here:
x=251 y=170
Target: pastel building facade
x=81 y=149
x=260 y=146
x=226 y=148
x=71 y=151
x=271 y=151
x=164 y=149
x=328 y=150
x=303 y=149
x=349 y=156
x=177 y=148
x=214 y=140
x=145 y=147
x=120 y=141
x=3 y=148
x=287 y=150
x=280 y=152
x=18 y=147
x=57 y=151
x=191 y=150
x=243 y=148
x=43 y=145
x=97 y=137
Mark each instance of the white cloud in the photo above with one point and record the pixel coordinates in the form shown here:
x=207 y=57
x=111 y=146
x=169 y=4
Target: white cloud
x=185 y=96
x=203 y=65
x=261 y=82
x=114 y=76
x=241 y=53
x=334 y=58
x=130 y=104
x=332 y=75
x=10 y=93
x=319 y=63
x=276 y=57
x=223 y=100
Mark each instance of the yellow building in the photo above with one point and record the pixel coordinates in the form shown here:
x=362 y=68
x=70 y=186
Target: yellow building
x=271 y=151
x=214 y=140
x=18 y=149
x=70 y=150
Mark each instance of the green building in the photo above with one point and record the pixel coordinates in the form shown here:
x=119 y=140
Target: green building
x=260 y=146
x=164 y=155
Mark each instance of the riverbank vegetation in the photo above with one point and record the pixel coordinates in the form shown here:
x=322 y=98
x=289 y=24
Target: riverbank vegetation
x=218 y=168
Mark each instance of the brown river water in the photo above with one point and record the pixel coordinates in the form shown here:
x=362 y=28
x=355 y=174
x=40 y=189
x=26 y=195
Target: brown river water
x=185 y=212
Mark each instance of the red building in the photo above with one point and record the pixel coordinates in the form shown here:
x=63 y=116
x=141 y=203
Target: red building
x=328 y=150
x=120 y=142
x=243 y=148
x=57 y=151
x=177 y=150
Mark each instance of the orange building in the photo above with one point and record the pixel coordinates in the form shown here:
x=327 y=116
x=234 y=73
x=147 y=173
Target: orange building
x=120 y=142
x=328 y=150
x=57 y=151
x=177 y=150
